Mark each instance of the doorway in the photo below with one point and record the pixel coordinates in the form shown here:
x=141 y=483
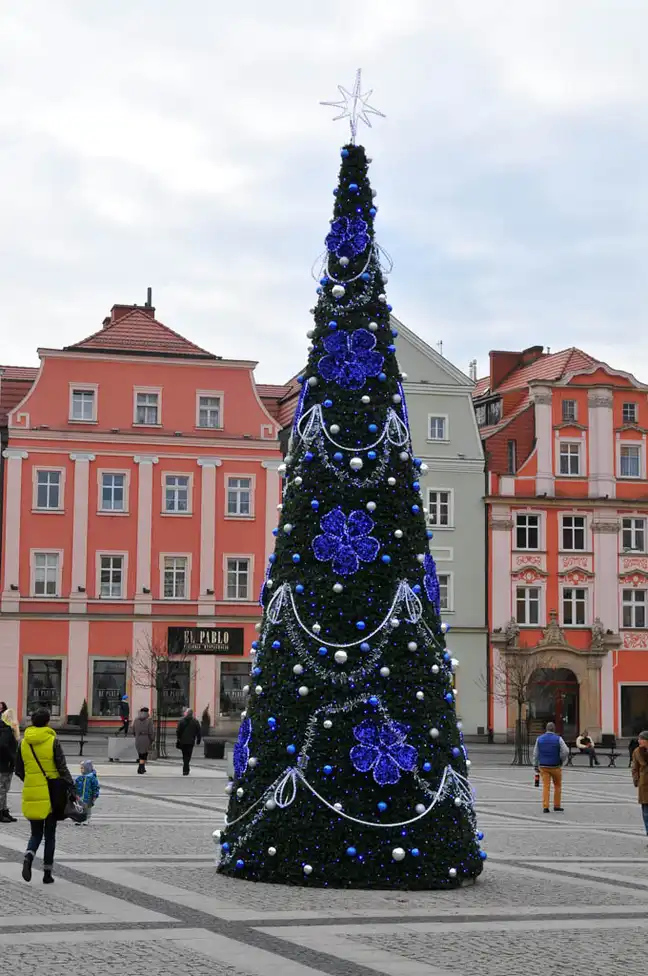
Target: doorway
x=554 y=697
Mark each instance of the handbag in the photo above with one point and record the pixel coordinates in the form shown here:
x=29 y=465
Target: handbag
x=65 y=804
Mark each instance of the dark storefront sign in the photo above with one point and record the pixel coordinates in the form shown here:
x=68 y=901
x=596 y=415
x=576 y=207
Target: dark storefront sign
x=205 y=640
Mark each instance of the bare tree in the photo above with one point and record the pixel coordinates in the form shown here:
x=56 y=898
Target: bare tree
x=156 y=666
x=512 y=683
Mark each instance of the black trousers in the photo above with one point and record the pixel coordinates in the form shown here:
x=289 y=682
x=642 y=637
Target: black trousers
x=40 y=829
x=187 y=752
x=124 y=726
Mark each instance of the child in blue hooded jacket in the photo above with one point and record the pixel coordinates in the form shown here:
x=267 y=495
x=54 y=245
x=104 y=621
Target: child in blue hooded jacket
x=87 y=787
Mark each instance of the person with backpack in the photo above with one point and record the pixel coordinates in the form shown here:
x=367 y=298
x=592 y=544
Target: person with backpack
x=40 y=762
x=549 y=753
x=9 y=738
x=188 y=734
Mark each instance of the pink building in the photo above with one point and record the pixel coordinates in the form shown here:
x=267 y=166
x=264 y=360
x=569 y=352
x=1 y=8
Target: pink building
x=140 y=494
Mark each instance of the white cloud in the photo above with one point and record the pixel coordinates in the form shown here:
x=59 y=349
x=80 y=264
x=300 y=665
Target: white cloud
x=183 y=147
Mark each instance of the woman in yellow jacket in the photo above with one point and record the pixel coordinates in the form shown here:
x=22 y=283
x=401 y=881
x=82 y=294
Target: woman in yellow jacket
x=40 y=745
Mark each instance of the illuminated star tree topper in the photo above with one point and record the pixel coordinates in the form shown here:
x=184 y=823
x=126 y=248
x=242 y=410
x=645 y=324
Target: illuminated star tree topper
x=355 y=105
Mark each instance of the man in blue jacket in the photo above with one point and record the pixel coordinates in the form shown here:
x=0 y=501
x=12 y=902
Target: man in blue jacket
x=549 y=753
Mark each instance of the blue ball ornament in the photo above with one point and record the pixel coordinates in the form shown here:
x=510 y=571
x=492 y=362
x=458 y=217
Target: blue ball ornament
x=299 y=588
x=240 y=864
x=386 y=559
x=308 y=456
x=483 y=855
x=328 y=769
x=323 y=651
x=315 y=504
x=416 y=588
x=365 y=276
x=373 y=428
x=256 y=670
x=276 y=644
x=449 y=697
x=455 y=752
x=318 y=291
x=372 y=211
x=344 y=153
x=328 y=403
x=275 y=531
x=391 y=347
x=272 y=558
x=415 y=509
x=272 y=721
x=382 y=377
x=427 y=767
x=364 y=646
x=480 y=835
x=373 y=700
x=416 y=485
x=371 y=455
x=351 y=851
x=255 y=644
x=360 y=625
x=417 y=462
x=324 y=281
x=382 y=806
x=338 y=456
x=335 y=191
x=430 y=534
x=353 y=187
x=300 y=379
x=332 y=324
x=296 y=558
x=225 y=846
x=415 y=852
x=394 y=332
x=447 y=656
x=291 y=749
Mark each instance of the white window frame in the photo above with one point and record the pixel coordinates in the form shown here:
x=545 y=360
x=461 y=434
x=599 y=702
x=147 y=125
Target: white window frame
x=633 y=605
x=149 y=391
x=586 y=537
x=588 y=602
x=172 y=511
x=111 y=554
x=250 y=561
x=187 y=560
x=64 y=668
x=61 y=506
x=641 y=476
x=238 y=515
x=449 y=589
x=33 y=553
x=634 y=531
x=92 y=388
x=580 y=454
x=568 y=420
x=435 y=525
x=527 y=587
x=216 y=395
x=635 y=406
x=540 y=546
x=100 y=477
x=446 y=432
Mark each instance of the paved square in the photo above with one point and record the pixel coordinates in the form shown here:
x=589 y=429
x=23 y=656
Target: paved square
x=136 y=891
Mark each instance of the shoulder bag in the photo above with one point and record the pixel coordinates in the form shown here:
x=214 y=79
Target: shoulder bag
x=65 y=803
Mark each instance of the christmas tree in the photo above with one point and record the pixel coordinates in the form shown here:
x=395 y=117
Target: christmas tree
x=350 y=768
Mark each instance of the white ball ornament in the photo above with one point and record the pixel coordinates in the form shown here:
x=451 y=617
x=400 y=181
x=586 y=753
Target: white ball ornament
x=316 y=628
x=457 y=801
x=327 y=723
x=341 y=657
x=246 y=689
x=373 y=326
x=444 y=627
x=452 y=872
x=308 y=869
x=216 y=836
x=371 y=506
x=269 y=584
x=420 y=808
x=281 y=469
x=404 y=456
x=337 y=806
x=312 y=381
x=288 y=459
x=396 y=398
x=298 y=669
x=258 y=690
x=394 y=622
x=338 y=291
x=280 y=507
x=252 y=761
x=391 y=482
x=403 y=376
x=355 y=463
x=434 y=733
x=288 y=528
x=337 y=587
x=385 y=672
x=412 y=646
x=229 y=788
x=460 y=726
x=468 y=763
x=243 y=715
x=398 y=534
x=257 y=627
x=398 y=854
x=420 y=557
x=240 y=792
x=303 y=691
x=424 y=468
x=382 y=298
x=454 y=662
x=271 y=804
x=434 y=669
x=420 y=695
x=344 y=261
x=310 y=333
x=272 y=851
x=298 y=480
x=335 y=428
x=365 y=399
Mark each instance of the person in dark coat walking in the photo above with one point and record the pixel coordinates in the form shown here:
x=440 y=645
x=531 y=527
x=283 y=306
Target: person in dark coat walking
x=124 y=714
x=8 y=749
x=640 y=774
x=144 y=732
x=188 y=735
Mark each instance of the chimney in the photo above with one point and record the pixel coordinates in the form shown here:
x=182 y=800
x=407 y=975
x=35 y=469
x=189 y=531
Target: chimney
x=472 y=370
x=503 y=363
x=118 y=312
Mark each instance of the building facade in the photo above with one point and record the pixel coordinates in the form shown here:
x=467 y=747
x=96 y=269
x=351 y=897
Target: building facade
x=445 y=437
x=565 y=441
x=140 y=494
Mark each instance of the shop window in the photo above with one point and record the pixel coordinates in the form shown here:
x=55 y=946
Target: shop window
x=44 y=685
x=174 y=687
x=235 y=675
x=108 y=687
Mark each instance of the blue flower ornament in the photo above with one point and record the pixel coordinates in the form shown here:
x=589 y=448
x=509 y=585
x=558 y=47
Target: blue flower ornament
x=347 y=238
x=383 y=749
x=241 y=752
x=351 y=359
x=346 y=542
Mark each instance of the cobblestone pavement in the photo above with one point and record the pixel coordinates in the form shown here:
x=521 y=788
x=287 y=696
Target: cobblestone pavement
x=136 y=891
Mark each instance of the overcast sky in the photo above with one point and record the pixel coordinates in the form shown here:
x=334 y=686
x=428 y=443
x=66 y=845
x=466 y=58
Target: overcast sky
x=182 y=146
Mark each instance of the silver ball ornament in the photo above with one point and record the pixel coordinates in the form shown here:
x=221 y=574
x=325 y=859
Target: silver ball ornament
x=373 y=326
x=308 y=869
x=298 y=669
x=424 y=468
x=371 y=506
x=288 y=528
x=382 y=298
x=355 y=463
x=229 y=788
x=385 y=672
x=394 y=622
x=337 y=806
x=403 y=376
x=412 y=646
x=340 y=657
x=312 y=381
x=457 y=801
x=338 y=291
x=310 y=333
x=240 y=792
x=398 y=854
x=452 y=872
x=252 y=761
x=420 y=557
x=391 y=482
x=258 y=690
x=396 y=398
x=269 y=584
x=298 y=480
x=398 y=533
x=434 y=733
x=271 y=804
x=404 y=456
x=246 y=689
x=216 y=836
x=272 y=851
x=281 y=469
x=327 y=723
x=344 y=261
x=420 y=695
x=434 y=669
x=337 y=587
x=460 y=726
x=420 y=808
x=335 y=428
x=316 y=628
x=365 y=399
x=280 y=507
x=468 y=763
x=303 y=691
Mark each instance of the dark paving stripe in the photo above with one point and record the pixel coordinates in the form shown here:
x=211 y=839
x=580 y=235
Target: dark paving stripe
x=539 y=915
x=180 y=801
x=561 y=872
x=81 y=928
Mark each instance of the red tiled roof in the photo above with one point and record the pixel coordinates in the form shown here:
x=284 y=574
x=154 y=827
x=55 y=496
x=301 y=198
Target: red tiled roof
x=137 y=332
x=481 y=386
x=550 y=367
x=272 y=390
x=15 y=382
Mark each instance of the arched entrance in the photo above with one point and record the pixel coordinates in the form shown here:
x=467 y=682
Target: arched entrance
x=554 y=696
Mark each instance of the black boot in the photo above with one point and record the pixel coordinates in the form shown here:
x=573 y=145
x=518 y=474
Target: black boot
x=27 y=866
x=47 y=876
x=5 y=817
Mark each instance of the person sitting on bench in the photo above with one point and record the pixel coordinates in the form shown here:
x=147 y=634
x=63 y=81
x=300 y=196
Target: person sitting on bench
x=585 y=745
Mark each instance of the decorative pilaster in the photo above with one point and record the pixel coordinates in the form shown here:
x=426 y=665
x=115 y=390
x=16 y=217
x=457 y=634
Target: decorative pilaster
x=545 y=482
x=272 y=499
x=206 y=599
x=144 y=531
x=78 y=595
x=13 y=494
x=602 y=480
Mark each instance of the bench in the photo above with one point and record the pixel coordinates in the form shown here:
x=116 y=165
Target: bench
x=606 y=747
x=74 y=728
